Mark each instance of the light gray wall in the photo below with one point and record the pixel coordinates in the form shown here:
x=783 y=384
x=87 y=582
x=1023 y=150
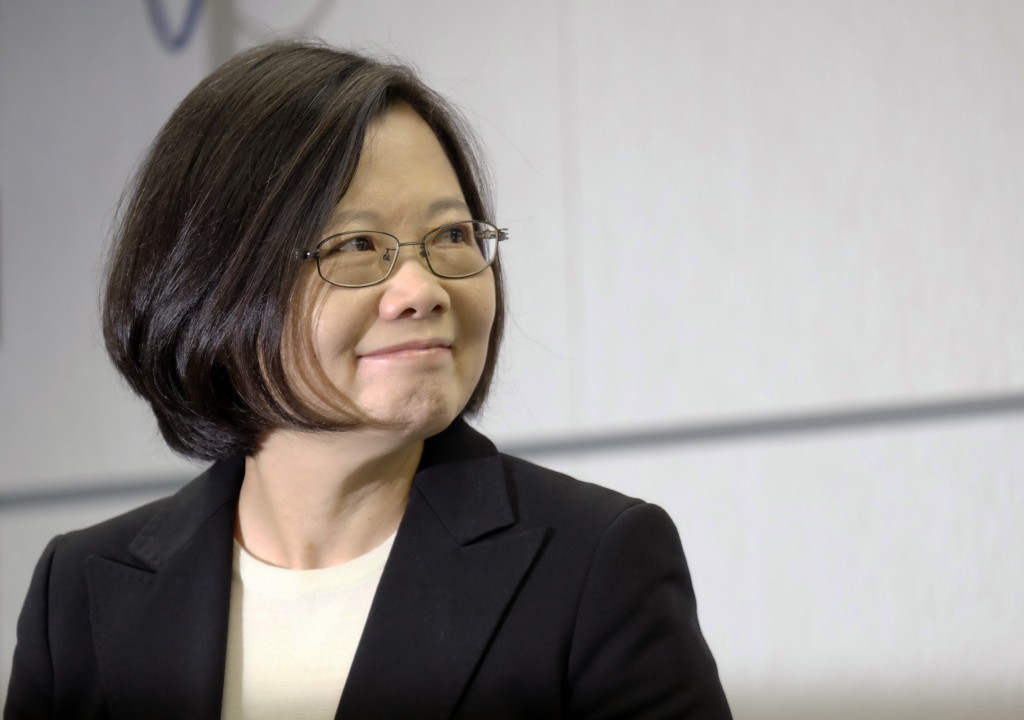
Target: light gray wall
x=766 y=254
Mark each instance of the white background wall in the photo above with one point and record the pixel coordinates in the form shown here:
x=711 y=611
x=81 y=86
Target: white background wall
x=724 y=215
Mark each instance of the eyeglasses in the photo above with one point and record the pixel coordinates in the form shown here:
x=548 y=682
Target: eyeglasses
x=360 y=258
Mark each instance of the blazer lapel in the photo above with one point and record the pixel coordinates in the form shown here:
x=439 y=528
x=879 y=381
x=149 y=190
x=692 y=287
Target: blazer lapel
x=160 y=616
x=445 y=588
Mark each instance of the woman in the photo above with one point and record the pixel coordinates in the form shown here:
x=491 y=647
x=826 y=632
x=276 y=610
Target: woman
x=305 y=287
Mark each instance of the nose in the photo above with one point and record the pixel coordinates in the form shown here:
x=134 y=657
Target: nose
x=412 y=290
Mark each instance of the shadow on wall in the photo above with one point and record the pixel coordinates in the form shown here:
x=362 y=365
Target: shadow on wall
x=877 y=705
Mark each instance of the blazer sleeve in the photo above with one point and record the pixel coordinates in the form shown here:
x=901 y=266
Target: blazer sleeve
x=637 y=649
x=30 y=692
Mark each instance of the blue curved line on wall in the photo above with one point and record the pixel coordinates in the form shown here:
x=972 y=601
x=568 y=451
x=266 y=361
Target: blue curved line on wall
x=171 y=41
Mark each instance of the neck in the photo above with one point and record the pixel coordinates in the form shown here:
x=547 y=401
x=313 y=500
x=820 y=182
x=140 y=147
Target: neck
x=312 y=500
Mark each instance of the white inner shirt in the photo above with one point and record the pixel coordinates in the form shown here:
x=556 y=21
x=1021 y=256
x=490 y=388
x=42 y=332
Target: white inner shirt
x=292 y=635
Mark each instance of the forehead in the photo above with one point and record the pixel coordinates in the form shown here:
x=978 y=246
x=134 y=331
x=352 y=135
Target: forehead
x=403 y=173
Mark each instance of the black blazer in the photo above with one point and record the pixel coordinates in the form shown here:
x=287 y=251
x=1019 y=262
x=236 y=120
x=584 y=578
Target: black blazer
x=511 y=591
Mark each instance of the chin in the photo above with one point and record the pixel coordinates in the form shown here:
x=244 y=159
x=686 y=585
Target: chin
x=419 y=414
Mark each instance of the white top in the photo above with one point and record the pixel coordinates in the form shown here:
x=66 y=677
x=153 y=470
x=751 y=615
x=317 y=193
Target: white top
x=292 y=635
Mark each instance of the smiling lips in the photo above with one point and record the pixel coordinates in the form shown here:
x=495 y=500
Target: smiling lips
x=410 y=350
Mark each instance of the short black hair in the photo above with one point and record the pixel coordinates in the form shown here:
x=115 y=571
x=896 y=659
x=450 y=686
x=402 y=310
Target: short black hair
x=203 y=270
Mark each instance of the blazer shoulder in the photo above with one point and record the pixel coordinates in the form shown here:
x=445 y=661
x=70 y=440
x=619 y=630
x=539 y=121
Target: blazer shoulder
x=548 y=495
x=166 y=521
x=110 y=538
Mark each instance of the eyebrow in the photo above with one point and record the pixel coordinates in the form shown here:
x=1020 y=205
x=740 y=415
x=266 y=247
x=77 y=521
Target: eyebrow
x=372 y=216
x=347 y=216
x=439 y=206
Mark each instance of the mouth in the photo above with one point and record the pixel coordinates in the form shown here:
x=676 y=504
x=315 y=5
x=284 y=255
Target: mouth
x=412 y=349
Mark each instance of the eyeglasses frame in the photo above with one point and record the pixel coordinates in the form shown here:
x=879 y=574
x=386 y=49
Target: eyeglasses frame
x=315 y=254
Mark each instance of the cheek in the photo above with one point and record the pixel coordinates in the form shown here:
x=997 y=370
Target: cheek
x=339 y=321
x=477 y=327
x=480 y=308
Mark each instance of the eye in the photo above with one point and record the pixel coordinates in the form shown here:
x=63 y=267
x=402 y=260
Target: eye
x=454 y=235
x=356 y=244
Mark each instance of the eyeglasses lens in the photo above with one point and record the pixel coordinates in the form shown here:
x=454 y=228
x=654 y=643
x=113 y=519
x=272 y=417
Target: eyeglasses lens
x=462 y=249
x=357 y=258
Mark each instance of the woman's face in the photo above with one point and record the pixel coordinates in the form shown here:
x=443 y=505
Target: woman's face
x=410 y=349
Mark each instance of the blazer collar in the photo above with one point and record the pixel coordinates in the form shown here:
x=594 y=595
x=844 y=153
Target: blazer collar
x=462 y=478
x=187 y=511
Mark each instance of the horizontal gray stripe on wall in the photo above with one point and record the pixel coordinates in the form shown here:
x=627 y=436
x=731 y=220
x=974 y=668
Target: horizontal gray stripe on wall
x=593 y=443
x=795 y=424
x=153 y=487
